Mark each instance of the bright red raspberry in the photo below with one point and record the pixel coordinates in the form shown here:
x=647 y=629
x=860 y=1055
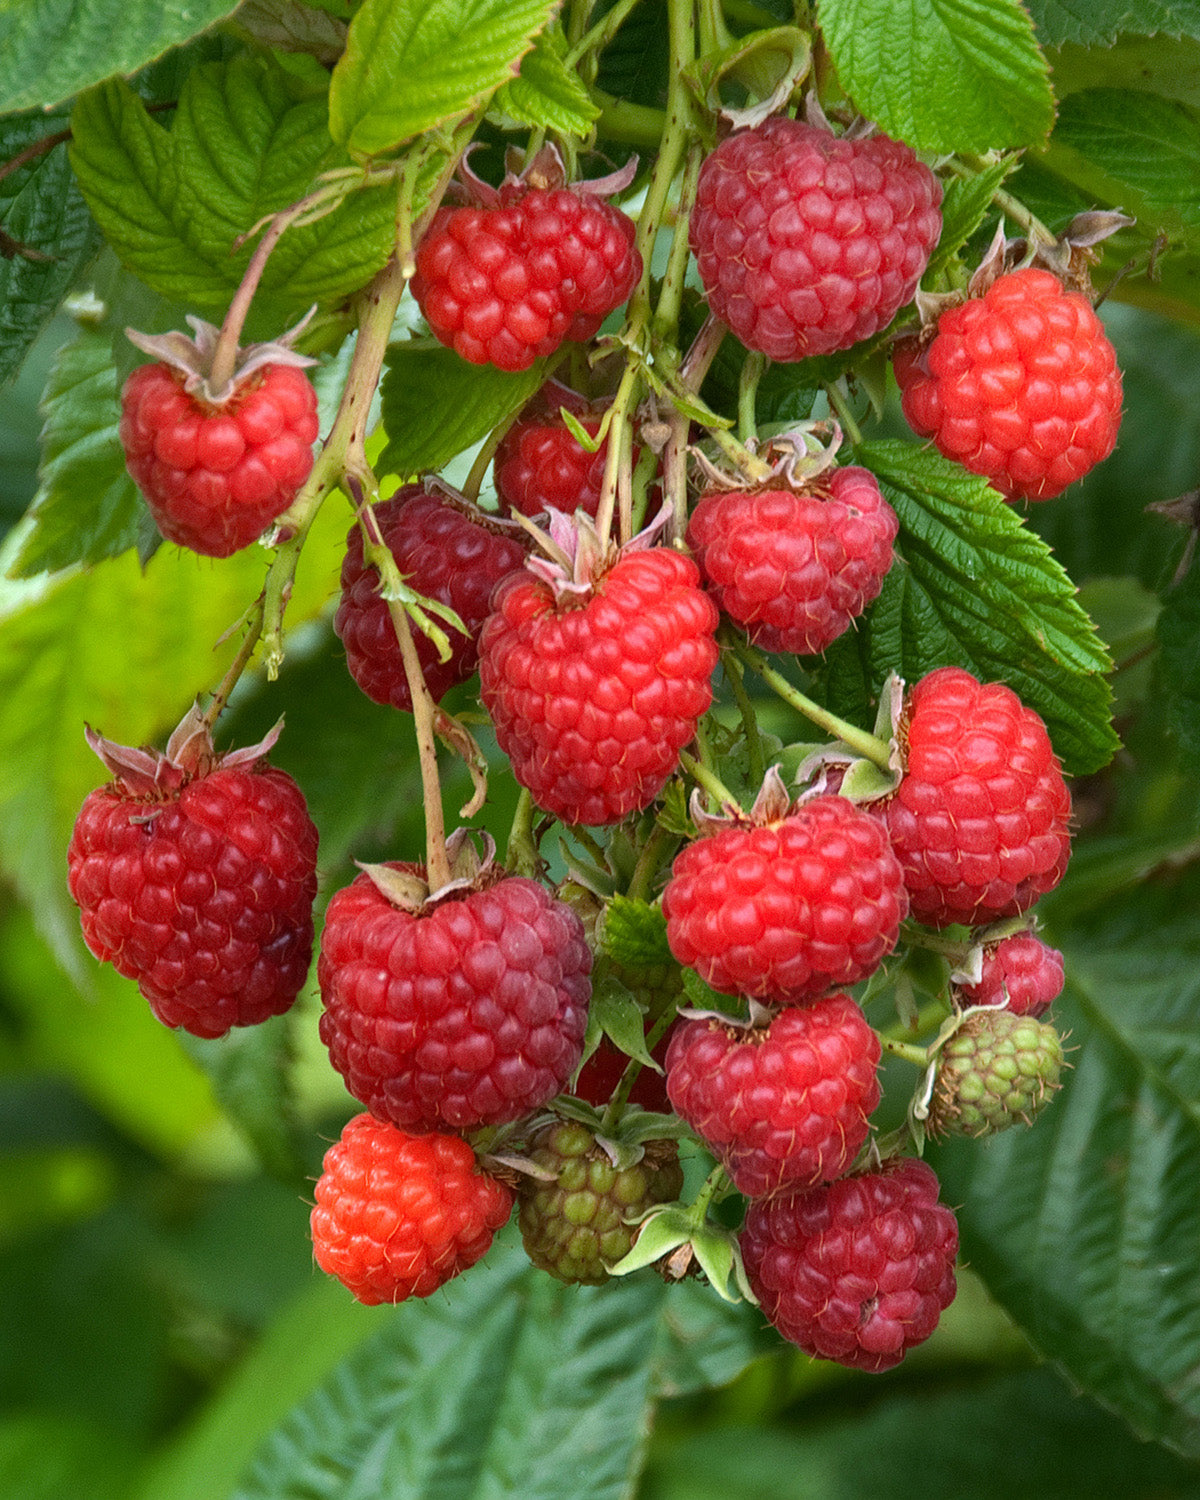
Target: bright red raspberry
x=470 y=1012
x=1020 y=385
x=398 y=1215
x=1021 y=973
x=195 y=875
x=858 y=1271
x=796 y=566
x=216 y=476
x=785 y=911
x=506 y=285
x=981 y=818
x=443 y=553
x=539 y=462
x=806 y=242
x=594 y=694
x=787 y=1103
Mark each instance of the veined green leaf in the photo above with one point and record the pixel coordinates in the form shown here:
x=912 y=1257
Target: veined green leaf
x=951 y=75
x=410 y=65
x=1099 y=22
x=546 y=93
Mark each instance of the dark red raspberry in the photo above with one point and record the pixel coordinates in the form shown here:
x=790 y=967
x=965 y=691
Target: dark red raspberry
x=784 y=1104
x=216 y=475
x=195 y=874
x=505 y=285
x=807 y=243
x=1020 y=385
x=796 y=566
x=858 y=1271
x=443 y=553
x=594 y=694
x=398 y=1215
x=470 y=1013
x=1019 y=972
x=539 y=462
x=789 y=909
x=981 y=819
x=585 y=1218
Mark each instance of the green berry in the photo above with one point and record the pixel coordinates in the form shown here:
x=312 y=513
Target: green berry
x=577 y=1225
x=995 y=1070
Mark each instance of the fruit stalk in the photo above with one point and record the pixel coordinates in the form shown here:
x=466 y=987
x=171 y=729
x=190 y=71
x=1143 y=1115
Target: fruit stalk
x=867 y=745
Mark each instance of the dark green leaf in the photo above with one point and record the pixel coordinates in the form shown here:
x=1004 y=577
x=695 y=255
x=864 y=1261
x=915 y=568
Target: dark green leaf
x=435 y=405
x=1135 y=150
x=975 y=587
x=1085 y=1226
x=42 y=212
x=964 y=208
x=703 y=1341
x=248 y=139
x=961 y=75
x=1179 y=637
x=1098 y=22
x=51 y=49
x=87 y=508
x=410 y=65
x=504 y=1383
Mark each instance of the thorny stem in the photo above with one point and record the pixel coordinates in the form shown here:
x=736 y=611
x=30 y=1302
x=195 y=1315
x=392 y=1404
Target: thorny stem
x=864 y=744
x=254 y=625
x=733 y=676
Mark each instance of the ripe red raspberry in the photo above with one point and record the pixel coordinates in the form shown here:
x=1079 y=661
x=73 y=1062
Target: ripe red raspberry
x=195 y=874
x=215 y=475
x=398 y=1215
x=594 y=693
x=784 y=1104
x=443 y=553
x=539 y=462
x=858 y=1271
x=807 y=243
x=787 y=909
x=1020 y=385
x=469 y=1012
x=506 y=282
x=796 y=566
x=1019 y=972
x=980 y=820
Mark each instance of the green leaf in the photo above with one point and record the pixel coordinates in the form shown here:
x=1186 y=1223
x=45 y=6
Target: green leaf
x=1179 y=638
x=964 y=209
x=250 y=1074
x=951 y=75
x=1085 y=1227
x=246 y=141
x=620 y=1018
x=435 y=405
x=546 y=93
x=51 y=49
x=976 y=588
x=703 y=1340
x=635 y=933
x=1134 y=149
x=87 y=508
x=125 y=652
x=504 y=1383
x=43 y=1456
x=42 y=211
x=1098 y=22
x=411 y=65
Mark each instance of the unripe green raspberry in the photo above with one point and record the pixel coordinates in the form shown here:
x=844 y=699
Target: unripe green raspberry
x=996 y=1069
x=575 y=1227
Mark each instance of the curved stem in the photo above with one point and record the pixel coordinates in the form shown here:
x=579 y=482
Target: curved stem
x=520 y=853
x=841 y=409
x=867 y=745
x=708 y=780
x=752 y=372
x=909 y=1051
x=737 y=686
x=254 y=625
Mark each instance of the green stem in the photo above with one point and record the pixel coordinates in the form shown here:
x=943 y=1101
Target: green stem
x=649 y=862
x=520 y=854
x=623 y=405
x=752 y=372
x=631 y=124
x=254 y=625
x=733 y=676
x=867 y=745
x=929 y=1018
x=710 y=782
x=670 y=297
x=716 y=1184
x=841 y=409
x=599 y=36
x=919 y=1056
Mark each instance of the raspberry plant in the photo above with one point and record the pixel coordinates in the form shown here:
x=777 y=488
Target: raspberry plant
x=723 y=830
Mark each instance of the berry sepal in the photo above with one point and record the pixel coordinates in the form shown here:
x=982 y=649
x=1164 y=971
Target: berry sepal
x=156 y=775
x=679 y=1240
x=193 y=357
